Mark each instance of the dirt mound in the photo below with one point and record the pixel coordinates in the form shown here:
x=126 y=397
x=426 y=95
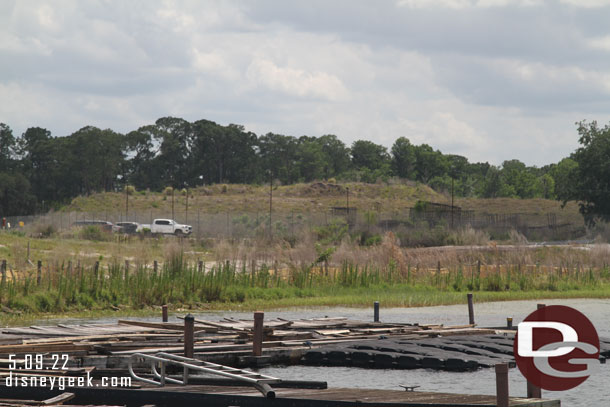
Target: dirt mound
x=323 y=188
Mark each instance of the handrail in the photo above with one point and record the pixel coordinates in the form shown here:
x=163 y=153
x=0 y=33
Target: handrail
x=261 y=382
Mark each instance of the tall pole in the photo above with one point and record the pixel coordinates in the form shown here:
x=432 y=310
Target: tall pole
x=173 y=203
x=187 y=206
x=270 y=204
x=452 y=202
x=347 y=205
x=126 y=201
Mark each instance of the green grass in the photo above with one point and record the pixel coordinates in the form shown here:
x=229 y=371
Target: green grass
x=97 y=290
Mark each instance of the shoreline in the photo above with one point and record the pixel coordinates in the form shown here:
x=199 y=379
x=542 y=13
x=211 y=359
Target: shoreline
x=391 y=299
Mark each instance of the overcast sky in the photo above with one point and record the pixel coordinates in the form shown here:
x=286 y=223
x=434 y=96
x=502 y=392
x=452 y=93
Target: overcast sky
x=488 y=79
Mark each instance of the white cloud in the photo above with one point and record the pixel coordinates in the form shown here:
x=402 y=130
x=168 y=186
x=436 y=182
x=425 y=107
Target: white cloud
x=295 y=82
x=488 y=79
x=587 y=3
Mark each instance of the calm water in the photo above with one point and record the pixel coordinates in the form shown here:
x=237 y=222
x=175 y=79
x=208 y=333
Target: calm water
x=593 y=392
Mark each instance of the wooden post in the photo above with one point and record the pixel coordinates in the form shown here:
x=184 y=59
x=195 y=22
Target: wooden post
x=257 y=340
x=39 y=272
x=28 y=250
x=126 y=270
x=155 y=267
x=533 y=391
x=3 y=272
x=164 y=312
x=96 y=269
x=189 y=335
x=470 y=309
x=502 y=385
x=376 y=311
x=200 y=266
x=509 y=323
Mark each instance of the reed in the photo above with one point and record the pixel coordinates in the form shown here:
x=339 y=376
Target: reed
x=229 y=284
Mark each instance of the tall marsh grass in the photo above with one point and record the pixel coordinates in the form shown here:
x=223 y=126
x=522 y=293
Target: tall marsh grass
x=64 y=287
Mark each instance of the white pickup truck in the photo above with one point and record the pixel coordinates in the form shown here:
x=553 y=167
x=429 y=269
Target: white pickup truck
x=168 y=227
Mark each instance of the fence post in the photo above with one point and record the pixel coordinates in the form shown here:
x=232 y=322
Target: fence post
x=189 y=335
x=257 y=340
x=3 y=272
x=39 y=272
x=502 y=385
x=470 y=309
x=155 y=267
x=164 y=313
x=126 y=270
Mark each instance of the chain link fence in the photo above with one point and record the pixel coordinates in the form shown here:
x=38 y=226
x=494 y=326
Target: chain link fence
x=240 y=225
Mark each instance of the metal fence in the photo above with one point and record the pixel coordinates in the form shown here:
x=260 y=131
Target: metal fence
x=239 y=225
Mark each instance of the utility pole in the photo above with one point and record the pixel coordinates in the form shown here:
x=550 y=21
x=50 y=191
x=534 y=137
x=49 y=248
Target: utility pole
x=187 y=206
x=126 y=201
x=452 y=202
x=270 y=204
x=347 y=205
x=173 y=203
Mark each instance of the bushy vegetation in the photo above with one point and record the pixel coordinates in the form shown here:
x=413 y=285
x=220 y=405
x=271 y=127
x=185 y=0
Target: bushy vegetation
x=39 y=171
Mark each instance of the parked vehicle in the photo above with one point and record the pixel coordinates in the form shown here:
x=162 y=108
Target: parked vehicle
x=105 y=225
x=129 y=228
x=168 y=227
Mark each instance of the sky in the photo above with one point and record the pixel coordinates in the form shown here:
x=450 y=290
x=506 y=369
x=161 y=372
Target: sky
x=491 y=80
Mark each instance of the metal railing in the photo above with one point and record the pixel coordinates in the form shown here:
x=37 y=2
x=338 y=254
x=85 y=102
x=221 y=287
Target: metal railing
x=259 y=381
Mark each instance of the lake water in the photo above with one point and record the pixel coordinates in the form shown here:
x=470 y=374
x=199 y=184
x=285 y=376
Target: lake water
x=595 y=391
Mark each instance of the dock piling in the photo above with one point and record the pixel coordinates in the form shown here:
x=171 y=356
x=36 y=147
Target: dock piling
x=533 y=391
x=502 y=385
x=189 y=335
x=376 y=311
x=470 y=309
x=164 y=313
x=257 y=340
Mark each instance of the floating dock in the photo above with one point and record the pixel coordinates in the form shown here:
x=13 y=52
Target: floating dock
x=102 y=350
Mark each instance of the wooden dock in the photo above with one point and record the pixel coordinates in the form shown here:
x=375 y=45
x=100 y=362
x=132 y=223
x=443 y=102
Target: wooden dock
x=102 y=350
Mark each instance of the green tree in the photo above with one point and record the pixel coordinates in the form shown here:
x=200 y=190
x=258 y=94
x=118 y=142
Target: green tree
x=16 y=196
x=403 y=158
x=429 y=163
x=8 y=145
x=336 y=155
x=279 y=154
x=592 y=173
x=366 y=154
x=565 y=175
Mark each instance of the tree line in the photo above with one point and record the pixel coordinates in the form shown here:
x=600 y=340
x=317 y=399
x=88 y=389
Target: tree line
x=39 y=171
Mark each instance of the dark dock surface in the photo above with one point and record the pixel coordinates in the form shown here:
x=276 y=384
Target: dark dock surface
x=217 y=396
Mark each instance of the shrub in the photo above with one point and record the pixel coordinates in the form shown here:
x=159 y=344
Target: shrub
x=45 y=230
x=168 y=191
x=95 y=233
